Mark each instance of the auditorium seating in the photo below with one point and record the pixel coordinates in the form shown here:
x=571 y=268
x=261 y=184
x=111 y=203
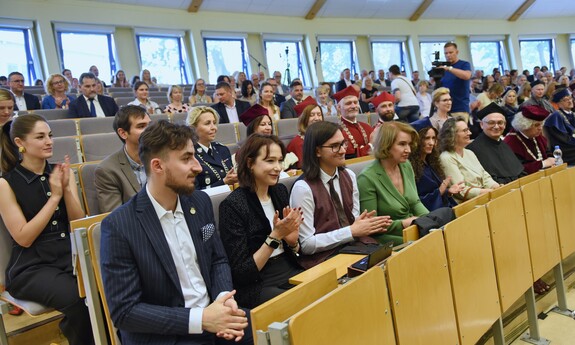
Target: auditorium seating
x=96 y=147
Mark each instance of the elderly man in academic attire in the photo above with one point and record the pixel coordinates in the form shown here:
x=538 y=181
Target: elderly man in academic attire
x=559 y=128
x=495 y=155
x=355 y=132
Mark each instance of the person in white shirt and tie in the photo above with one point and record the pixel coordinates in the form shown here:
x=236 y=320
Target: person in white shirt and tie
x=90 y=104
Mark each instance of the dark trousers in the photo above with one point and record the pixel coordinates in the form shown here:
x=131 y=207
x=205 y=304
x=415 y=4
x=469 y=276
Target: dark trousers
x=408 y=114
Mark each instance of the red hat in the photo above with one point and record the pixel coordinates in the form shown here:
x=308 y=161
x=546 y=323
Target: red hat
x=252 y=113
x=300 y=107
x=383 y=97
x=348 y=91
x=534 y=112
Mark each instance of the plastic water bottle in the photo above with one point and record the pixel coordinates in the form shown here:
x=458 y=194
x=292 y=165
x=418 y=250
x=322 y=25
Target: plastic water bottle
x=558 y=155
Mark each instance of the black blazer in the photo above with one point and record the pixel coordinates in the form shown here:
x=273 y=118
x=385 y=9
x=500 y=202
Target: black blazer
x=279 y=99
x=79 y=107
x=340 y=85
x=287 y=109
x=139 y=275
x=220 y=161
x=244 y=228
x=241 y=106
x=32 y=102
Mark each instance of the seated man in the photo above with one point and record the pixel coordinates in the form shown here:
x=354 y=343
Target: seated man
x=559 y=127
x=121 y=175
x=22 y=101
x=228 y=108
x=287 y=108
x=493 y=154
x=538 y=97
x=355 y=132
x=91 y=104
x=384 y=106
x=165 y=272
x=346 y=81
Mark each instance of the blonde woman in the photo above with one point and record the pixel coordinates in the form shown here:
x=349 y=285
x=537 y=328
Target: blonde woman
x=56 y=87
x=175 y=95
x=267 y=101
x=324 y=101
x=199 y=93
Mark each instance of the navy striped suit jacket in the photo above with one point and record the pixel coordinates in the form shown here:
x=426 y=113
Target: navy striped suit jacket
x=140 y=279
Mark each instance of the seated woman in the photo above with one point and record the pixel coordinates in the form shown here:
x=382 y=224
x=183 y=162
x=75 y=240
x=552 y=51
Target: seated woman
x=388 y=184
x=526 y=139
x=38 y=201
x=120 y=80
x=6 y=107
x=56 y=87
x=368 y=92
x=509 y=104
x=325 y=102
x=329 y=198
x=175 y=96
x=490 y=95
x=423 y=98
x=267 y=100
x=258 y=228
x=248 y=93
x=146 y=77
x=215 y=158
x=199 y=93
x=433 y=187
x=141 y=92
x=440 y=110
x=462 y=164
x=311 y=114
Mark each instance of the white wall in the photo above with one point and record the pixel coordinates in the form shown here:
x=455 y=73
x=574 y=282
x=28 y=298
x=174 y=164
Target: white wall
x=125 y=17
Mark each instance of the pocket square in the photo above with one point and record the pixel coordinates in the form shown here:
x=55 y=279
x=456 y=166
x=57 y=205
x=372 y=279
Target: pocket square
x=207 y=231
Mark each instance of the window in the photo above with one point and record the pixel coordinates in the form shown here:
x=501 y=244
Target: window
x=225 y=56
x=428 y=54
x=80 y=50
x=487 y=55
x=573 y=50
x=537 y=52
x=335 y=57
x=164 y=57
x=280 y=55
x=386 y=54
x=17 y=55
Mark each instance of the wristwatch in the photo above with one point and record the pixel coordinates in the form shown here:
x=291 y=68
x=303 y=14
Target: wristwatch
x=450 y=68
x=273 y=242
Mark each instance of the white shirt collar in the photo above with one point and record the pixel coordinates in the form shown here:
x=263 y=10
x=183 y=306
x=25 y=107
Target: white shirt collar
x=160 y=211
x=326 y=177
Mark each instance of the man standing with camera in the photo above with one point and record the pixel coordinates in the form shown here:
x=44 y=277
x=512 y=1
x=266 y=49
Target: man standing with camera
x=456 y=79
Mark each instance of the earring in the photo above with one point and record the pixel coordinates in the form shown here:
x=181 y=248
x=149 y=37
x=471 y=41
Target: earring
x=22 y=149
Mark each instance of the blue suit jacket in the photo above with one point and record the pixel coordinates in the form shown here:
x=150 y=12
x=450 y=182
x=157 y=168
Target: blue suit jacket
x=140 y=280
x=79 y=107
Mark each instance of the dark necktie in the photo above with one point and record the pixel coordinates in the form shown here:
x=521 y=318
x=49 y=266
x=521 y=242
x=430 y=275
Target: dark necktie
x=92 y=108
x=343 y=222
x=210 y=152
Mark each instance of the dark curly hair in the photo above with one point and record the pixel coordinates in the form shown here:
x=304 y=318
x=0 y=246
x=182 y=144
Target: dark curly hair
x=432 y=159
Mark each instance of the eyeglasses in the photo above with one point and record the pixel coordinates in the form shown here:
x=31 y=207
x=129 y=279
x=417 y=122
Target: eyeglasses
x=335 y=148
x=446 y=100
x=493 y=123
x=58 y=82
x=18 y=81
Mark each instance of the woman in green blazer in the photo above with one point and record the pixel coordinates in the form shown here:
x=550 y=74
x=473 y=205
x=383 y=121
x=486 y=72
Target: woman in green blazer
x=388 y=184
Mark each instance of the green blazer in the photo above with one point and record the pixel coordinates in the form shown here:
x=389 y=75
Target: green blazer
x=376 y=192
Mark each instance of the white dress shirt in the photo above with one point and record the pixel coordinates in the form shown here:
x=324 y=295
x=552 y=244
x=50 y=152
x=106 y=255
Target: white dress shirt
x=232 y=113
x=185 y=258
x=302 y=196
x=97 y=106
x=20 y=102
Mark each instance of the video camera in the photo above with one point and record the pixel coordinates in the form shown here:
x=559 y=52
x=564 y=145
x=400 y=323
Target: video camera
x=435 y=72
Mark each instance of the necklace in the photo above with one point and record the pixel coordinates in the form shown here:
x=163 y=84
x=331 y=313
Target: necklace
x=566 y=119
x=351 y=138
x=215 y=171
x=539 y=155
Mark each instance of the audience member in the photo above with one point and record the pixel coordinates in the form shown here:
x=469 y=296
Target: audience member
x=523 y=94
x=287 y=107
x=121 y=175
x=94 y=70
x=311 y=114
x=3 y=80
x=345 y=81
x=441 y=110
x=460 y=163
x=324 y=101
x=56 y=87
x=388 y=184
x=228 y=108
x=509 y=104
x=329 y=198
x=258 y=228
x=120 y=80
x=99 y=106
x=6 y=107
x=23 y=101
x=38 y=201
x=424 y=98
x=282 y=88
x=493 y=154
x=215 y=158
x=559 y=128
x=278 y=99
x=141 y=92
x=368 y=92
x=405 y=96
x=456 y=79
x=385 y=107
x=433 y=187
x=526 y=139
x=415 y=78
x=355 y=132
x=537 y=97
x=176 y=96
x=493 y=94
x=174 y=284
x=146 y=77
x=199 y=93
x=248 y=93
x=99 y=87
x=267 y=100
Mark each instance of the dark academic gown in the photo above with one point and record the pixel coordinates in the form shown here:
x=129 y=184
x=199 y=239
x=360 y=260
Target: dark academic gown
x=559 y=128
x=497 y=159
x=428 y=190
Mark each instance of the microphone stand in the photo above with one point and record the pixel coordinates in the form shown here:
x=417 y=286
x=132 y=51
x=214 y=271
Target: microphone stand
x=259 y=63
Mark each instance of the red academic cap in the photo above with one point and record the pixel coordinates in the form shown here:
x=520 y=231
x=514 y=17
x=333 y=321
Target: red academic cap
x=301 y=107
x=383 y=97
x=534 y=112
x=348 y=91
x=252 y=113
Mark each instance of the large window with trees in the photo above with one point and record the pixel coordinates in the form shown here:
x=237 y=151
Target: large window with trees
x=573 y=50
x=287 y=57
x=336 y=56
x=537 y=52
x=487 y=55
x=387 y=53
x=165 y=57
x=428 y=50
x=18 y=52
x=225 y=56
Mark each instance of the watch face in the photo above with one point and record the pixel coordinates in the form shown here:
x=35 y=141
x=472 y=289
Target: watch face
x=272 y=243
